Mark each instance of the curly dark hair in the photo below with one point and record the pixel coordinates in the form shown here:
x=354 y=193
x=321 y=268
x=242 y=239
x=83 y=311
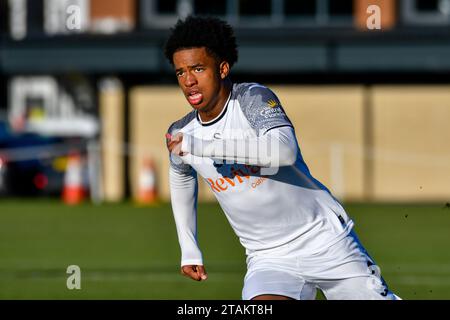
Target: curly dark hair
x=215 y=35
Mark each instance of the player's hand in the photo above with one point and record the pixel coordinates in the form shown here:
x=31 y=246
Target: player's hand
x=174 y=143
x=195 y=272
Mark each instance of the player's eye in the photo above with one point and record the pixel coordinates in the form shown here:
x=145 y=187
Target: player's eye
x=198 y=69
x=179 y=73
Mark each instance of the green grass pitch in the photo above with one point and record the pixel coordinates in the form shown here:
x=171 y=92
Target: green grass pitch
x=130 y=252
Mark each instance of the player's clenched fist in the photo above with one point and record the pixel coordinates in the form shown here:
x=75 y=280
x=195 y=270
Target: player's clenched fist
x=195 y=272
x=174 y=143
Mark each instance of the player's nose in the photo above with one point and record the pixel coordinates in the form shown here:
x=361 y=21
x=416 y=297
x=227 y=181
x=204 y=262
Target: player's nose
x=190 y=80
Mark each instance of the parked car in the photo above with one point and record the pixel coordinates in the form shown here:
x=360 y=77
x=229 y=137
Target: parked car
x=30 y=164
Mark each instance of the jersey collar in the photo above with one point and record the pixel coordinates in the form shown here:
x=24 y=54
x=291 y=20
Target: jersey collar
x=216 y=119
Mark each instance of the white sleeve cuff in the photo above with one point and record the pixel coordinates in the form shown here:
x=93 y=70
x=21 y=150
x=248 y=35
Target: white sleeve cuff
x=197 y=262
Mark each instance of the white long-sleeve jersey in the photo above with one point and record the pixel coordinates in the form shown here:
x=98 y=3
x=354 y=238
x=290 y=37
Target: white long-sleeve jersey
x=250 y=158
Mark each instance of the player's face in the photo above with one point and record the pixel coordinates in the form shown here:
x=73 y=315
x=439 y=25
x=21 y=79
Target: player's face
x=199 y=77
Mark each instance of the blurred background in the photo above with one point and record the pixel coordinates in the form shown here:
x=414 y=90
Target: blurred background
x=86 y=97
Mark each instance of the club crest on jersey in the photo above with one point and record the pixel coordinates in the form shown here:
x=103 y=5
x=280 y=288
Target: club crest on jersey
x=272 y=109
x=272 y=103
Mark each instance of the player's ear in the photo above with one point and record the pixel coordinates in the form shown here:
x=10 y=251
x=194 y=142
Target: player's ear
x=224 y=69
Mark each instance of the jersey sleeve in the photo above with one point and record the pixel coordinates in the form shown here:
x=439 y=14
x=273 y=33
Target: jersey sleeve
x=280 y=141
x=263 y=109
x=179 y=166
x=176 y=163
x=183 y=196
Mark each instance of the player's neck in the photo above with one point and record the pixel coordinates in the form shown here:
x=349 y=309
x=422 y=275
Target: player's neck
x=217 y=108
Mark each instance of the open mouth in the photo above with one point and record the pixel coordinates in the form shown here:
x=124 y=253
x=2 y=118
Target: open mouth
x=195 y=97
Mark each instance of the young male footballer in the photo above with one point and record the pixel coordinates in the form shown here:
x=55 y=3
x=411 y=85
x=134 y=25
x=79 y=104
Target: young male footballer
x=297 y=236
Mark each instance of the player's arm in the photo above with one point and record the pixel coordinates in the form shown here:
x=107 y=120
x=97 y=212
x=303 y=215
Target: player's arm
x=183 y=194
x=275 y=148
x=274 y=144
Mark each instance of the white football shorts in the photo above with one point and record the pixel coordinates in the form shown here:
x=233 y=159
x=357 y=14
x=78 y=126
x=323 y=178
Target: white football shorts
x=344 y=271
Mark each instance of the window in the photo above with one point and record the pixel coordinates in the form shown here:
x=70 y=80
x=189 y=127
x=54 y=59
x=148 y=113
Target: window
x=162 y=13
x=430 y=6
x=255 y=7
x=253 y=13
x=299 y=8
x=340 y=8
x=166 y=6
x=426 y=12
x=208 y=7
x=427 y=5
x=316 y=13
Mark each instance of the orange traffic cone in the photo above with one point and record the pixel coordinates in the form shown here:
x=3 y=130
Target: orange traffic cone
x=147 y=193
x=73 y=192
